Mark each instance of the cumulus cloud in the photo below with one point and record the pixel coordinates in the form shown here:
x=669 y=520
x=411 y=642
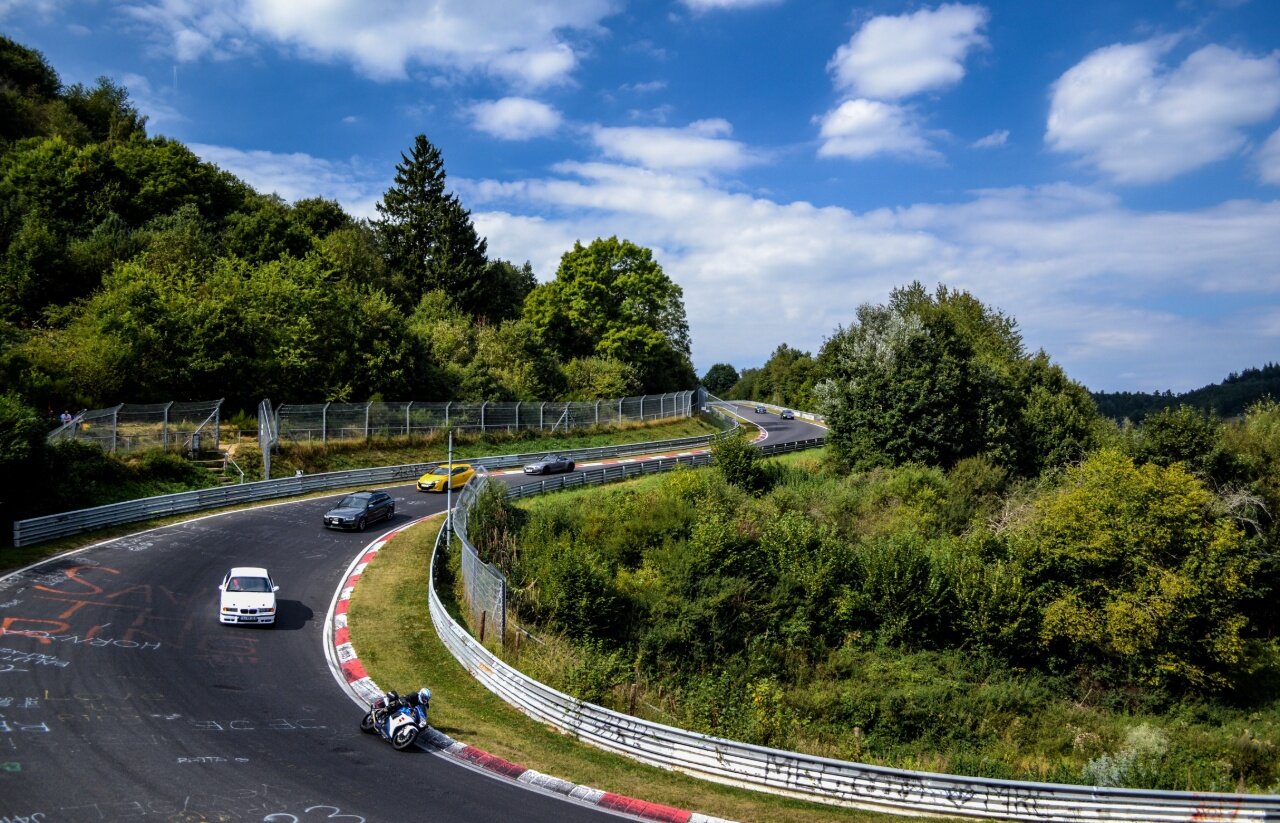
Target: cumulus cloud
x=515 y=118
x=519 y=41
x=1078 y=270
x=1138 y=121
x=890 y=58
x=859 y=129
x=703 y=146
x=1269 y=160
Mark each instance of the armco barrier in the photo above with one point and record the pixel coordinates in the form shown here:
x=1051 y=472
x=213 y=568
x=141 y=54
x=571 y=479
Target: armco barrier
x=809 y=777
x=53 y=526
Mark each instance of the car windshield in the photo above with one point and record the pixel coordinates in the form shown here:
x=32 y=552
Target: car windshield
x=248 y=584
x=353 y=501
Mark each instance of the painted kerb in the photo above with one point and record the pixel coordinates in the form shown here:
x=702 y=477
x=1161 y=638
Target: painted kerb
x=53 y=526
x=809 y=777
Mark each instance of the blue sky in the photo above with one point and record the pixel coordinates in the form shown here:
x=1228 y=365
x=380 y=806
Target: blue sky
x=1107 y=173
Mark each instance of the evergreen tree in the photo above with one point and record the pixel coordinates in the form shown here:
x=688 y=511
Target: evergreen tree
x=428 y=237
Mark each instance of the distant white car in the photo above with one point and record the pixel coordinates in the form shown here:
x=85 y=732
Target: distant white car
x=248 y=596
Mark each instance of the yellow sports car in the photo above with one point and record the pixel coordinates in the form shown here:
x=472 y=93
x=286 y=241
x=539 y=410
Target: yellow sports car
x=439 y=478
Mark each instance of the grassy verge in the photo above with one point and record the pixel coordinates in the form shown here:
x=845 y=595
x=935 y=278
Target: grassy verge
x=393 y=634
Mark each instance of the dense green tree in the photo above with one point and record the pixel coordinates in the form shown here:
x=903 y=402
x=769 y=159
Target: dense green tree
x=428 y=236
x=1184 y=435
x=720 y=378
x=938 y=378
x=503 y=290
x=612 y=299
x=1142 y=577
x=105 y=111
x=28 y=84
x=320 y=217
x=264 y=229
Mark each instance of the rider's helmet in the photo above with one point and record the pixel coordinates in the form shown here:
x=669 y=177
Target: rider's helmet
x=424 y=695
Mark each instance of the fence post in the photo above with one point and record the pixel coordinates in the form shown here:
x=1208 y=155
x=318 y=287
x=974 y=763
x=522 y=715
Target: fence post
x=115 y=419
x=407 y=430
x=367 y=406
x=518 y=402
x=597 y=414
x=541 y=424
x=164 y=427
x=324 y=424
x=620 y=399
x=446 y=413
x=217 y=425
x=482 y=407
x=642 y=397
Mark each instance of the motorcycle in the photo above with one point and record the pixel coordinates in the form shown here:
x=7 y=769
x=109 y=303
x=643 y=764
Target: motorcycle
x=396 y=720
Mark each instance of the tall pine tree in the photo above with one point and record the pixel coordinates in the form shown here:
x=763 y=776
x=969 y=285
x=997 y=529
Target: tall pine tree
x=428 y=237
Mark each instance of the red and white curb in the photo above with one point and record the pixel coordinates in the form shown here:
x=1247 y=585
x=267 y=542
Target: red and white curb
x=358 y=681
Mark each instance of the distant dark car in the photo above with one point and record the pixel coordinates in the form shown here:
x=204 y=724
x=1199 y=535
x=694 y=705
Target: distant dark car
x=550 y=465
x=761 y=410
x=787 y=414
x=359 y=509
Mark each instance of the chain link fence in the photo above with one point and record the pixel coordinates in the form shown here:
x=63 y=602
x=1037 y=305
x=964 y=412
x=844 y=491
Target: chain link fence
x=188 y=426
x=322 y=422
x=484 y=587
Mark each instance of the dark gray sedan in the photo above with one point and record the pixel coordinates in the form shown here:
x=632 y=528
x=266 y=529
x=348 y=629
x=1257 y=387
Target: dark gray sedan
x=550 y=465
x=359 y=509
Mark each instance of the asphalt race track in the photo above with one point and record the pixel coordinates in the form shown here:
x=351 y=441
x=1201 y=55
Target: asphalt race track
x=123 y=699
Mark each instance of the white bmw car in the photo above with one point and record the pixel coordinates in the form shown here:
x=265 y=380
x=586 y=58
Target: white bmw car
x=248 y=596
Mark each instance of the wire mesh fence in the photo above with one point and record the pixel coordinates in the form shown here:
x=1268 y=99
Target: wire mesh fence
x=322 y=422
x=484 y=586
x=182 y=426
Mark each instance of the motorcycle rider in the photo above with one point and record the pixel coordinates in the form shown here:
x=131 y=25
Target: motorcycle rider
x=419 y=701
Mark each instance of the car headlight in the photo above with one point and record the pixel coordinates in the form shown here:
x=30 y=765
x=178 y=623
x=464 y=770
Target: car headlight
x=271 y=610
x=228 y=608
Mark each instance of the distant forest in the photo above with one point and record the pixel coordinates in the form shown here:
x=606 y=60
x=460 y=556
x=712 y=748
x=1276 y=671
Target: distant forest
x=1228 y=399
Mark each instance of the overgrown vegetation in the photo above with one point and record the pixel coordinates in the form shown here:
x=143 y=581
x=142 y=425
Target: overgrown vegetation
x=1105 y=624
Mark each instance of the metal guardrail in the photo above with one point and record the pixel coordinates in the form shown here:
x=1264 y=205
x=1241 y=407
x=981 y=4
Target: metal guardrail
x=53 y=526
x=808 y=777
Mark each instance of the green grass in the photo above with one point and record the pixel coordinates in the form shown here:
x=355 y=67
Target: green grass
x=393 y=635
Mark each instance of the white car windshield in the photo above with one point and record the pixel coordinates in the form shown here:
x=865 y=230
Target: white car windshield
x=248 y=584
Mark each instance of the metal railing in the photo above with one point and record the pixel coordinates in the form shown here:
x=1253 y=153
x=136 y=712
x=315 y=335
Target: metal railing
x=53 y=526
x=809 y=777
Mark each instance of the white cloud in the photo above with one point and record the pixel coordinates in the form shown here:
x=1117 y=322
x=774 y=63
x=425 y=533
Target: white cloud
x=1137 y=121
x=993 y=140
x=859 y=129
x=1077 y=270
x=40 y=9
x=296 y=176
x=711 y=5
x=154 y=105
x=702 y=146
x=1269 y=160
x=644 y=88
x=515 y=118
x=519 y=41
x=894 y=57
